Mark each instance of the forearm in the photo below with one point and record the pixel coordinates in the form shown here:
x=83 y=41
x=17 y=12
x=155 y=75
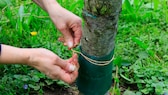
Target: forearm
x=40 y=3
x=13 y=55
x=46 y=4
x=0 y=49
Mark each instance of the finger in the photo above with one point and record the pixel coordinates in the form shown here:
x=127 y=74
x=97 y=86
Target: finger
x=77 y=33
x=61 y=39
x=53 y=72
x=65 y=64
x=74 y=75
x=58 y=73
x=68 y=37
x=74 y=60
x=68 y=77
x=74 y=56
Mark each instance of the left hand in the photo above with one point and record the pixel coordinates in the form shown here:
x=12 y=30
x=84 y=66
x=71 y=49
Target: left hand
x=53 y=66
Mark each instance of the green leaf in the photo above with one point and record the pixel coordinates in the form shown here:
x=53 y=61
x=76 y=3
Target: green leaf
x=21 y=12
x=17 y=76
x=138 y=93
x=129 y=6
x=126 y=78
x=145 y=91
x=2 y=3
x=117 y=80
x=61 y=83
x=118 y=61
x=35 y=78
x=143 y=45
x=138 y=5
x=156 y=4
x=149 y=6
x=25 y=78
x=128 y=92
x=139 y=42
x=143 y=55
x=125 y=63
x=35 y=87
x=49 y=82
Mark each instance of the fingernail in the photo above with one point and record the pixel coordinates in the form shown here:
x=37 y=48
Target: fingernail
x=72 y=68
x=70 y=44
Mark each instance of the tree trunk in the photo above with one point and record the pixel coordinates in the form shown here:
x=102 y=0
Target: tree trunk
x=100 y=28
x=98 y=42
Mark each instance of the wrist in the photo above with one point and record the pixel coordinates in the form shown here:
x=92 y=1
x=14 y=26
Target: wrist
x=28 y=56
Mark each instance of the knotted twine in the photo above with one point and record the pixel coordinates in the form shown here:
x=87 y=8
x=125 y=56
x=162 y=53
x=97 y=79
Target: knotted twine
x=94 y=62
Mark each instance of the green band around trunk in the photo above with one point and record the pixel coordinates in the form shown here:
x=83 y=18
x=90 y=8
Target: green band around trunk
x=93 y=79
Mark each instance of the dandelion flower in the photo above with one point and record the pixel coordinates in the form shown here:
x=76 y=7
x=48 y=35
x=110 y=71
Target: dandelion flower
x=33 y=33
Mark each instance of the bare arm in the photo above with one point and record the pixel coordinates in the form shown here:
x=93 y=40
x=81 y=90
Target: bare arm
x=43 y=60
x=40 y=3
x=13 y=55
x=66 y=22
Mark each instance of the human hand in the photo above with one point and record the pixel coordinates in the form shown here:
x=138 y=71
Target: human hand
x=66 y=22
x=53 y=66
x=69 y=25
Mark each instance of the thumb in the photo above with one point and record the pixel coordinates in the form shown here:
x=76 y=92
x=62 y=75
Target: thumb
x=73 y=63
x=74 y=59
x=67 y=65
x=68 y=37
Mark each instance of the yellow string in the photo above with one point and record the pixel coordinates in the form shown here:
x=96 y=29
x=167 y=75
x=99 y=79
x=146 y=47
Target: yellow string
x=95 y=62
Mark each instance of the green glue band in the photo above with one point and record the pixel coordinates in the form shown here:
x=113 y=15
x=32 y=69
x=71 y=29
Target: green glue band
x=93 y=79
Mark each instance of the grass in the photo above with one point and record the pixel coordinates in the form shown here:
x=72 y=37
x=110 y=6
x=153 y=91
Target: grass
x=142 y=48
x=141 y=54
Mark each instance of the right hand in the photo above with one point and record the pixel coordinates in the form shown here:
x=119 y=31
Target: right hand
x=68 y=24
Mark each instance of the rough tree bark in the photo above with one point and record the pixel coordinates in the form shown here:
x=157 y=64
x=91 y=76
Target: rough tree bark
x=101 y=17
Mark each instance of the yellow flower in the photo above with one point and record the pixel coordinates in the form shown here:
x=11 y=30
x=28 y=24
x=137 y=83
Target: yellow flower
x=33 y=33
